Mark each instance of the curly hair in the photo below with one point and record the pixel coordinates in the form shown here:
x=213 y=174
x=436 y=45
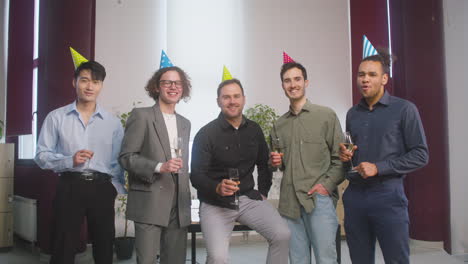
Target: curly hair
x=384 y=57
x=153 y=83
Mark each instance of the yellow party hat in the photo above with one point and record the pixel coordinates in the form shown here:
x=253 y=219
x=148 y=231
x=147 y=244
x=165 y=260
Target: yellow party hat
x=226 y=74
x=77 y=58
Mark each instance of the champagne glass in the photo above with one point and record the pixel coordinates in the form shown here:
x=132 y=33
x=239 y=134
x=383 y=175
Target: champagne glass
x=276 y=144
x=178 y=142
x=234 y=176
x=86 y=171
x=348 y=142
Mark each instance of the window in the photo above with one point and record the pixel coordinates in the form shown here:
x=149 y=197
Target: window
x=27 y=143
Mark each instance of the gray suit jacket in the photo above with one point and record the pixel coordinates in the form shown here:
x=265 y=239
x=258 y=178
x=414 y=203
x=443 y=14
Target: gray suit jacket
x=145 y=144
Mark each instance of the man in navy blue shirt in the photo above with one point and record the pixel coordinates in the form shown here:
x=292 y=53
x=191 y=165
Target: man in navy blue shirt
x=389 y=143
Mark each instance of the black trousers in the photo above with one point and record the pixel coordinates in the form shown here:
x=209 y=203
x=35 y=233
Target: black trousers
x=377 y=212
x=75 y=199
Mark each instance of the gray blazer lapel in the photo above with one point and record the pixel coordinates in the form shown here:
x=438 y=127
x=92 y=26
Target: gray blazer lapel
x=161 y=131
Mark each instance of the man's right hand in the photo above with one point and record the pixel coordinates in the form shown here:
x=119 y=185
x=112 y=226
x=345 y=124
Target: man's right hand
x=226 y=187
x=81 y=156
x=345 y=154
x=172 y=165
x=275 y=158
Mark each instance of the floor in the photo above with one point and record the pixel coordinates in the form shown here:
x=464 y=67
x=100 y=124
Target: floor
x=252 y=249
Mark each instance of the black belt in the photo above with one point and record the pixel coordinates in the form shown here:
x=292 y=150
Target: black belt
x=371 y=181
x=87 y=176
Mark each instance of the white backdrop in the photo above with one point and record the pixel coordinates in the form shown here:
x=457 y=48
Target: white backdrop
x=456 y=32
x=246 y=36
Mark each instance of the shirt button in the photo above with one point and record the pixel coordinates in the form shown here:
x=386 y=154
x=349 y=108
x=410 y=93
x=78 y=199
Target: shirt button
x=160 y=187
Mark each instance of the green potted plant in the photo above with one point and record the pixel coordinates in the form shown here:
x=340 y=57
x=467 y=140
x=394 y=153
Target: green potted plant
x=125 y=244
x=264 y=115
x=1 y=129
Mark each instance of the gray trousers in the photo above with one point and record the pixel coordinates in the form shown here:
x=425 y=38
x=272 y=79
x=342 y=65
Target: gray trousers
x=217 y=224
x=170 y=242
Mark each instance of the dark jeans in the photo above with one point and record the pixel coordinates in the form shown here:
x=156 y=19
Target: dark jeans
x=377 y=211
x=75 y=199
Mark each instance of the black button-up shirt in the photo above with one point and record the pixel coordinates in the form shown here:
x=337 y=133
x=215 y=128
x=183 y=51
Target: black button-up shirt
x=219 y=146
x=390 y=135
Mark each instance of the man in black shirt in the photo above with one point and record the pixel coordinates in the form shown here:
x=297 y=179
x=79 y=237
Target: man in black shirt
x=233 y=142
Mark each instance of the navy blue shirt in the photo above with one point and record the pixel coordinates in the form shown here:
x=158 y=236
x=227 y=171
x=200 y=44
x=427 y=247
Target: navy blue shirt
x=390 y=135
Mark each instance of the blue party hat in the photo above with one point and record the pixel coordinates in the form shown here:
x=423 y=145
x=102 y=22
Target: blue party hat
x=367 y=48
x=165 y=61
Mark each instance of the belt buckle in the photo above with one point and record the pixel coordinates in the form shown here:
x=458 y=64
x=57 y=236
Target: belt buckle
x=87 y=176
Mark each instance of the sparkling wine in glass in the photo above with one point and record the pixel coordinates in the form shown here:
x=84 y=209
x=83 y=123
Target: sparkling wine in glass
x=177 y=144
x=233 y=174
x=348 y=142
x=178 y=141
x=276 y=144
x=86 y=171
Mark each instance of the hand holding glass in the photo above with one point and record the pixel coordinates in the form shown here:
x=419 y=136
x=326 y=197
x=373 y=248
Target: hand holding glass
x=348 y=142
x=276 y=145
x=233 y=174
x=177 y=144
x=86 y=171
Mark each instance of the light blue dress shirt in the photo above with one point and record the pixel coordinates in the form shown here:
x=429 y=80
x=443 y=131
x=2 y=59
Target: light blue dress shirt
x=64 y=133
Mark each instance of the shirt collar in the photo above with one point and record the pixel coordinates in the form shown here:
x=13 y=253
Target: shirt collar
x=98 y=112
x=225 y=124
x=307 y=107
x=384 y=100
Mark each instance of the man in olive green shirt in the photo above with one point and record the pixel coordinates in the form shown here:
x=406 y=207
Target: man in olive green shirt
x=309 y=137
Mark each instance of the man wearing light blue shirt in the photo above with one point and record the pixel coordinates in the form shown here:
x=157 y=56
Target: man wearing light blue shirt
x=81 y=141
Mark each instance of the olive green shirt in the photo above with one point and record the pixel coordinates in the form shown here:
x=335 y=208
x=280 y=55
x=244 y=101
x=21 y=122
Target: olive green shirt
x=310 y=143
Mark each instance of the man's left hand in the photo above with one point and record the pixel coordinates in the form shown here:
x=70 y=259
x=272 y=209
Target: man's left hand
x=367 y=169
x=318 y=188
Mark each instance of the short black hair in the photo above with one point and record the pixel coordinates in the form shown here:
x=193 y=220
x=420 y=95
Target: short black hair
x=287 y=66
x=227 y=82
x=98 y=72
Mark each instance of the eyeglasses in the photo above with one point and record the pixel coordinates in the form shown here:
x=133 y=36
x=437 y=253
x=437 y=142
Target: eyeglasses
x=168 y=83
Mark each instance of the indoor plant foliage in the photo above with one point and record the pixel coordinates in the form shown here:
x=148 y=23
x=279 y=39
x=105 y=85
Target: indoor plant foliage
x=263 y=115
x=266 y=116
x=1 y=129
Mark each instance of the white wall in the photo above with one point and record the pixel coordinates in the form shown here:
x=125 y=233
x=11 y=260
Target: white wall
x=129 y=39
x=456 y=32
x=247 y=36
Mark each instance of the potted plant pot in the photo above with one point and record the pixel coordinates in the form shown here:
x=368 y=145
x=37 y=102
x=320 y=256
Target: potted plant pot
x=123 y=247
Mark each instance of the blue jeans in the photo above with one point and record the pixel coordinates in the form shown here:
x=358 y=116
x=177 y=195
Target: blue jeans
x=315 y=230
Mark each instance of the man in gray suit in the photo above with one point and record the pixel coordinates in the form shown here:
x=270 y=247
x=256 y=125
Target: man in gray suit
x=159 y=193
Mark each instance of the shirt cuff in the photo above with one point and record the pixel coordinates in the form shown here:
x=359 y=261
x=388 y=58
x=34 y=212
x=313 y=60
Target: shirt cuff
x=158 y=167
x=329 y=185
x=68 y=163
x=383 y=168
